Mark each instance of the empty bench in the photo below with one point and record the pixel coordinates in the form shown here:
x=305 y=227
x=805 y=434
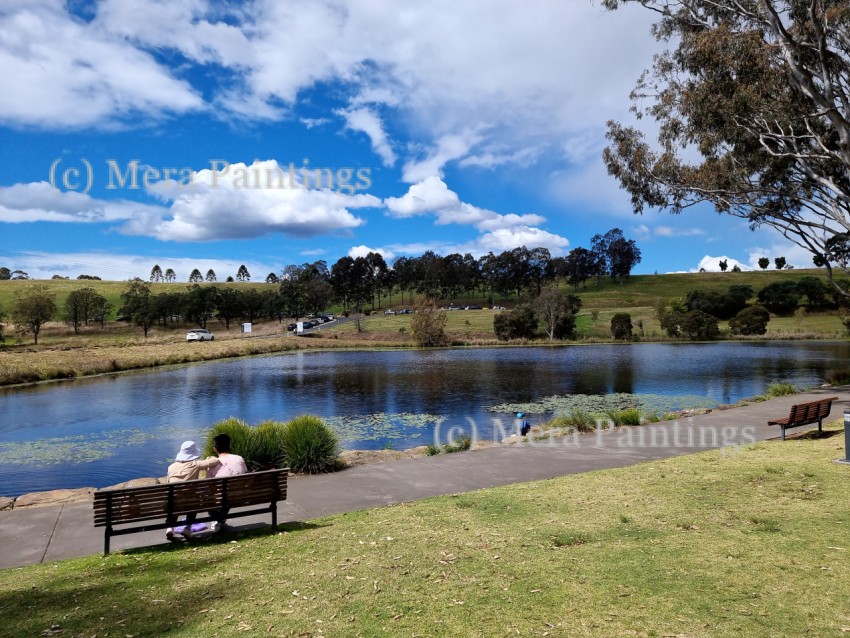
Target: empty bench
x=806 y=414
x=141 y=509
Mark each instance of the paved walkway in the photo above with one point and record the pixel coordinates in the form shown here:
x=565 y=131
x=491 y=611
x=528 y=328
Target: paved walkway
x=33 y=535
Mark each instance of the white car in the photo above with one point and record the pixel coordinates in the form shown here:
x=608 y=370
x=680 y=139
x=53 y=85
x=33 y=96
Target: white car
x=199 y=334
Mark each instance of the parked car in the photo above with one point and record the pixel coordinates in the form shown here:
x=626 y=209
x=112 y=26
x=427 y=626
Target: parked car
x=389 y=312
x=199 y=334
x=291 y=327
x=404 y=311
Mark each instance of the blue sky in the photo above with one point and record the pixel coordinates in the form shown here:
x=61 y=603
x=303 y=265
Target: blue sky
x=134 y=134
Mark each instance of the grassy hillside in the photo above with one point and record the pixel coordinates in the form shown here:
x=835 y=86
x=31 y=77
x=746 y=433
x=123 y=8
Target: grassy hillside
x=110 y=289
x=638 y=291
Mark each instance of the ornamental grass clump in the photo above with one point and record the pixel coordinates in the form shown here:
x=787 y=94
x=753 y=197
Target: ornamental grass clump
x=240 y=434
x=780 y=389
x=267 y=446
x=260 y=446
x=628 y=416
x=310 y=445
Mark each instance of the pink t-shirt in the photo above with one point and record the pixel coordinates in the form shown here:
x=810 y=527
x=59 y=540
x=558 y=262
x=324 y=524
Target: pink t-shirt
x=230 y=465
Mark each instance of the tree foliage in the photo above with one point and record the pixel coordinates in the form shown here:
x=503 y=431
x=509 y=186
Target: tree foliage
x=760 y=91
x=428 y=324
x=780 y=298
x=519 y=323
x=752 y=320
x=621 y=326
x=32 y=308
x=556 y=311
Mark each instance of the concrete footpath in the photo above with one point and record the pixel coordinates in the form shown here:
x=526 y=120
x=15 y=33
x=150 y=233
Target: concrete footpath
x=34 y=535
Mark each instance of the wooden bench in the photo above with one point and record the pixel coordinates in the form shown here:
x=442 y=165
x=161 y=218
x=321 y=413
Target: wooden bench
x=141 y=509
x=806 y=414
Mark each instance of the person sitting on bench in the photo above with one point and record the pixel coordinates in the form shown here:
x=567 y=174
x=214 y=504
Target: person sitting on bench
x=187 y=467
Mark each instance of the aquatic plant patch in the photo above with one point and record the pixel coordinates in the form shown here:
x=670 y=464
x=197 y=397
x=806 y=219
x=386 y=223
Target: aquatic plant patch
x=374 y=427
x=82 y=448
x=604 y=403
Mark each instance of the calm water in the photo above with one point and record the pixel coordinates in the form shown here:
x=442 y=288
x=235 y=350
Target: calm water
x=98 y=432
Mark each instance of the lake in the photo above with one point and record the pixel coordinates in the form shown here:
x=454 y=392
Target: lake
x=105 y=430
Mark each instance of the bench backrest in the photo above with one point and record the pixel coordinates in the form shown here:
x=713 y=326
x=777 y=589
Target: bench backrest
x=805 y=413
x=153 y=502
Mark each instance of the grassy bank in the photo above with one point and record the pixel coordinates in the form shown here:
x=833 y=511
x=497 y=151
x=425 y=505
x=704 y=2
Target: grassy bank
x=749 y=542
x=24 y=364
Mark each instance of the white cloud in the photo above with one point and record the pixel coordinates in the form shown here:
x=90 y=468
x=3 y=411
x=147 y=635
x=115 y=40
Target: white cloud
x=496 y=242
x=364 y=120
x=59 y=72
x=712 y=264
x=447 y=148
x=116 y=267
x=240 y=201
x=39 y=201
x=794 y=255
x=530 y=79
x=222 y=202
x=669 y=231
x=361 y=251
x=432 y=196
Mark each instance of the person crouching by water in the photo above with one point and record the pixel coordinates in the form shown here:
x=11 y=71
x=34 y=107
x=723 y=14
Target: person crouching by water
x=522 y=424
x=187 y=467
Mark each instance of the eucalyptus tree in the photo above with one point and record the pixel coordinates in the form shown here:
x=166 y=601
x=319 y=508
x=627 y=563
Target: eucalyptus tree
x=751 y=101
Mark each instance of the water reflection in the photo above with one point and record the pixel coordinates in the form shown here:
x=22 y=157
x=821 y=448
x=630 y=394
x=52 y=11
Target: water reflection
x=171 y=405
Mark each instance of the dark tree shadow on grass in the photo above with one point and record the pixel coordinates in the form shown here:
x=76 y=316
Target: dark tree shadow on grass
x=150 y=591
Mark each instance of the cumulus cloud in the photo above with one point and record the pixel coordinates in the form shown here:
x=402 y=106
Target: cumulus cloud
x=712 y=264
x=364 y=120
x=794 y=255
x=238 y=201
x=529 y=79
x=432 y=196
x=361 y=251
x=223 y=202
x=496 y=242
x=39 y=201
x=59 y=71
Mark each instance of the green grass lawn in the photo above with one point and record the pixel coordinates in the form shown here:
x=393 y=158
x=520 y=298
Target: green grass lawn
x=744 y=542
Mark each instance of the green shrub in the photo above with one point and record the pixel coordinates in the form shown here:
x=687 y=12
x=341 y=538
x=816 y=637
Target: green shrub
x=621 y=326
x=260 y=446
x=310 y=445
x=433 y=450
x=752 y=320
x=519 y=323
x=627 y=416
x=461 y=444
x=780 y=389
x=581 y=420
x=240 y=434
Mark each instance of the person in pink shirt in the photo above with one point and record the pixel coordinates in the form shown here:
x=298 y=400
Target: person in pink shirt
x=228 y=464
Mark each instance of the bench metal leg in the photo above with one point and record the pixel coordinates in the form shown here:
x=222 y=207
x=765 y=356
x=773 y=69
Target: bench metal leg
x=106 y=538
x=783 y=432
